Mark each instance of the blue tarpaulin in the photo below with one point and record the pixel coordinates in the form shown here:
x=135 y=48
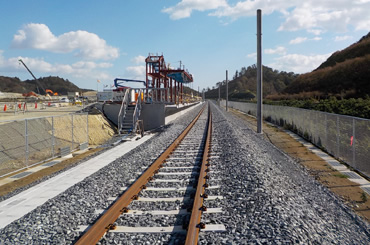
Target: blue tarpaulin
x=179 y=77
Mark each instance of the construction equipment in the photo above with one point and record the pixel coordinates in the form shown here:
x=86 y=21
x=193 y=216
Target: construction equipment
x=37 y=81
x=30 y=94
x=120 y=86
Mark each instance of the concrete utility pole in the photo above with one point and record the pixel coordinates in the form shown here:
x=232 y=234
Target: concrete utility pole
x=259 y=73
x=219 y=94
x=227 y=93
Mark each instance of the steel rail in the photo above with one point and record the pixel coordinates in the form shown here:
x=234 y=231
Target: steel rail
x=194 y=224
x=106 y=221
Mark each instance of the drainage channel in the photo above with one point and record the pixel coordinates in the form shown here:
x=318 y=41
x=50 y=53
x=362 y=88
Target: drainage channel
x=167 y=208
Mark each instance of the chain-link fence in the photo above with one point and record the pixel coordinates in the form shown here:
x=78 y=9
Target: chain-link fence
x=24 y=143
x=346 y=138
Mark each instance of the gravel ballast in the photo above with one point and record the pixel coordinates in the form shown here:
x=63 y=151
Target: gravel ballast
x=268 y=198
x=58 y=220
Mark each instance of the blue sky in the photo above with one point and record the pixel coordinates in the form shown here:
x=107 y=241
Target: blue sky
x=89 y=40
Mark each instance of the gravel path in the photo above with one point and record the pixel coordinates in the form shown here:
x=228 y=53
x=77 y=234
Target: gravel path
x=268 y=197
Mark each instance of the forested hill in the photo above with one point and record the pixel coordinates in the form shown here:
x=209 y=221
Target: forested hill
x=243 y=84
x=56 y=84
x=358 y=49
x=345 y=74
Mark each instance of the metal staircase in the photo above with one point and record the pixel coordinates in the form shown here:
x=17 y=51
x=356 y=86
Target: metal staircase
x=128 y=120
x=128 y=117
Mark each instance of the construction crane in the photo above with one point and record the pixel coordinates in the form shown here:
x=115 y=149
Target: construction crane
x=39 y=84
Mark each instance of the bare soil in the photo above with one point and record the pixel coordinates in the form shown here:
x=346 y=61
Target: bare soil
x=100 y=131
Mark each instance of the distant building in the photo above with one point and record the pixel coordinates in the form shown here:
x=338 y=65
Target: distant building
x=73 y=95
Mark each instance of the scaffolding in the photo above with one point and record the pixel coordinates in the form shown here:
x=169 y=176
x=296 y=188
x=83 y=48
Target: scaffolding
x=159 y=75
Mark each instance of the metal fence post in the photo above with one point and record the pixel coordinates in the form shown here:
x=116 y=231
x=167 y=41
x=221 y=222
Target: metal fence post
x=326 y=131
x=26 y=139
x=87 y=129
x=72 y=133
x=52 y=136
x=338 y=136
x=354 y=141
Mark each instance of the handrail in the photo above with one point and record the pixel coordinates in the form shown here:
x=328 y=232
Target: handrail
x=155 y=95
x=137 y=111
x=123 y=108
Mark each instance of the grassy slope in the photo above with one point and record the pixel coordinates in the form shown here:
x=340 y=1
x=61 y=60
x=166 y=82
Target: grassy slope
x=344 y=74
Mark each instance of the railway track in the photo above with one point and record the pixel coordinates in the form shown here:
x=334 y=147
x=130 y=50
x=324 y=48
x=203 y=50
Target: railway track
x=167 y=199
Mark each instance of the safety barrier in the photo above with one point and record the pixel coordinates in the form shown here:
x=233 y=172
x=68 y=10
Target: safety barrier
x=344 y=137
x=24 y=143
x=22 y=107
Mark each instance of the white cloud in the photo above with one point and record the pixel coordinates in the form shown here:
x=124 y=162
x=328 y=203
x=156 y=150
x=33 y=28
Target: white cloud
x=311 y=17
x=304 y=39
x=298 y=40
x=334 y=15
x=84 y=44
x=298 y=63
x=316 y=38
x=315 y=16
x=40 y=67
x=249 y=8
x=184 y=8
x=136 y=72
x=361 y=1
x=342 y=38
x=278 y=50
x=139 y=59
x=252 y=55
x=315 y=31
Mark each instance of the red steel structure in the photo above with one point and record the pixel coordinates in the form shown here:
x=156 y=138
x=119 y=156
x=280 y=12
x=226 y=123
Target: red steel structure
x=159 y=75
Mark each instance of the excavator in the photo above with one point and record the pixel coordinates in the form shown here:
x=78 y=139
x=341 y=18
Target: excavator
x=51 y=93
x=30 y=94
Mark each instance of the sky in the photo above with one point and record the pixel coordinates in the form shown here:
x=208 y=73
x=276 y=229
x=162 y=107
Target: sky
x=87 y=41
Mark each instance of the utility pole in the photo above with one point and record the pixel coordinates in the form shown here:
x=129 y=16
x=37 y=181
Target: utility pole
x=259 y=72
x=37 y=81
x=219 y=94
x=227 y=92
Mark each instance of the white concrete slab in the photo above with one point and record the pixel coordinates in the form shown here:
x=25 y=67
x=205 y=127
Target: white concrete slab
x=19 y=205
x=335 y=164
x=172 y=199
x=160 y=229
x=174 y=116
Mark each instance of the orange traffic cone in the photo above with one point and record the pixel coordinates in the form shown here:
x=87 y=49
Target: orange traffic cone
x=35 y=105
x=5 y=107
x=20 y=105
